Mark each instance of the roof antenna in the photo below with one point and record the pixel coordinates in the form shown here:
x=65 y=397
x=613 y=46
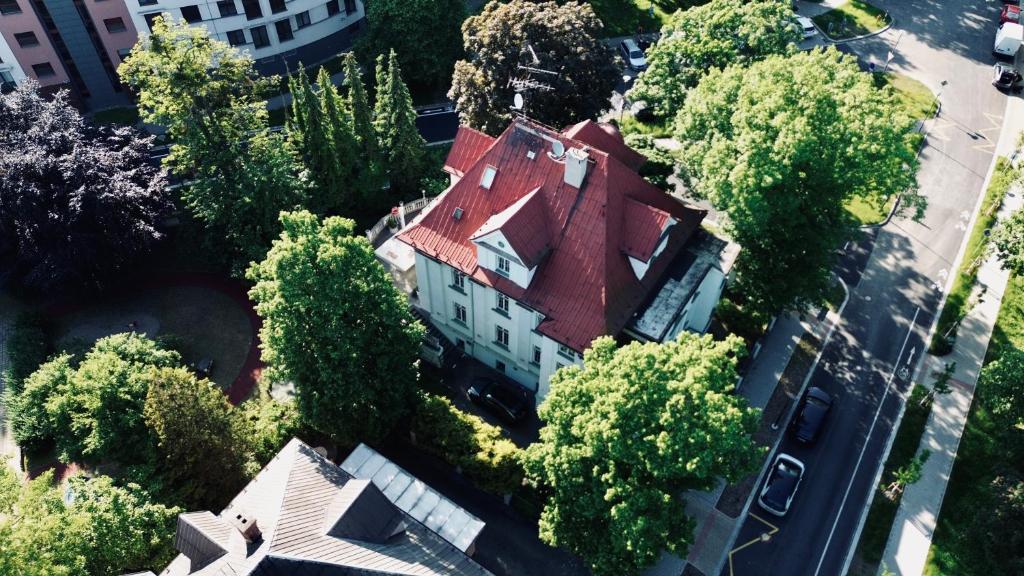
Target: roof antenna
x=525 y=81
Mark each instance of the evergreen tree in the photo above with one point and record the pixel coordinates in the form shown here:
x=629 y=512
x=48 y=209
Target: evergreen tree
x=395 y=122
x=337 y=124
x=309 y=136
x=368 y=166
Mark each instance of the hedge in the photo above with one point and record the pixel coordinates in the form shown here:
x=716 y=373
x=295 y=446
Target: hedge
x=463 y=440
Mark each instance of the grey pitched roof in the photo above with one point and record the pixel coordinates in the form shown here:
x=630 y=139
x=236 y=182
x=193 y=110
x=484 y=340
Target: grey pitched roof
x=316 y=519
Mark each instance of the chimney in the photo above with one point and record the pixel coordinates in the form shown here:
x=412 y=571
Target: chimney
x=576 y=167
x=245 y=524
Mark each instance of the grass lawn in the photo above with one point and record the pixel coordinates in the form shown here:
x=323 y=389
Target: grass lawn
x=866 y=212
x=626 y=17
x=124 y=116
x=628 y=124
x=984 y=453
x=883 y=510
x=956 y=303
x=855 y=18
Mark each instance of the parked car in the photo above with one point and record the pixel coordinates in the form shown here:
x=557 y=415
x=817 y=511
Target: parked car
x=779 y=489
x=1009 y=37
x=633 y=55
x=811 y=415
x=1010 y=13
x=509 y=403
x=807 y=27
x=1006 y=77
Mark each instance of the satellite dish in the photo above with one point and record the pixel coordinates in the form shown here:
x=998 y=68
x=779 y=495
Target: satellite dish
x=517 y=101
x=557 y=149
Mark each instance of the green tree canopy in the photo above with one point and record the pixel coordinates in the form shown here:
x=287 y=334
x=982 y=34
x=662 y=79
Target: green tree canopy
x=335 y=325
x=394 y=120
x=210 y=99
x=565 y=39
x=1008 y=239
x=424 y=33
x=369 y=167
x=202 y=440
x=709 y=37
x=106 y=529
x=1002 y=388
x=779 y=146
x=626 y=434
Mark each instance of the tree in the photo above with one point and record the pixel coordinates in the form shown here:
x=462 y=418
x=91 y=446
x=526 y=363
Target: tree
x=335 y=325
x=424 y=33
x=1002 y=388
x=626 y=434
x=565 y=40
x=1008 y=239
x=210 y=99
x=31 y=422
x=996 y=541
x=394 y=120
x=709 y=37
x=368 y=161
x=105 y=529
x=201 y=438
x=27 y=347
x=269 y=425
x=78 y=202
x=779 y=146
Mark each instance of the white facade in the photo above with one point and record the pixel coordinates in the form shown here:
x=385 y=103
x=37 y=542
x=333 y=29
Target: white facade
x=10 y=70
x=264 y=36
x=471 y=315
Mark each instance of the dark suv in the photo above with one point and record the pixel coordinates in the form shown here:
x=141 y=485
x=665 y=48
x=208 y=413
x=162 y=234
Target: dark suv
x=509 y=402
x=811 y=415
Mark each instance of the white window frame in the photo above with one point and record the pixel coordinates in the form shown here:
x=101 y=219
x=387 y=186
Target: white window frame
x=460 y=313
x=501 y=303
x=501 y=336
x=536 y=356
x=566 y=352
x=506 y=269
x=458 y=280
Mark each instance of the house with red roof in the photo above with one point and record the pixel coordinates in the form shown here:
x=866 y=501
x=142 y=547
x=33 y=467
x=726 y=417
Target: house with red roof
x=549 y=239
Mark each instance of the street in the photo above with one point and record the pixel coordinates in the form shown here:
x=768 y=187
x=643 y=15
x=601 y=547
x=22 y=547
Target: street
x=894 y=295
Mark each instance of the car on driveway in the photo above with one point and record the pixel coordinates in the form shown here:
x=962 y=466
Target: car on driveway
x=1010 y=13
x=781 y=486
x=1006 y=77
x=509 y=402
x=633 y=55
x=806 y=26
x=811 y=415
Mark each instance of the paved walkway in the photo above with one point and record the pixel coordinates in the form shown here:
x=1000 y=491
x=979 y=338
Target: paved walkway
x=910 y=539
x=9 y=310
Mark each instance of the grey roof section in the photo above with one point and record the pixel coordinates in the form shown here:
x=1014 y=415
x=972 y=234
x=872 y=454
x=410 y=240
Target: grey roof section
x=202 y=537
x=299 y=501
x=458 y=527
x=654 y=320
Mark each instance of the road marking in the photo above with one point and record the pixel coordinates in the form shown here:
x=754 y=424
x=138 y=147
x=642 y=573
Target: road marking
x=763 y=537
x=938 y=129
x=996 y=125
x=867 y=438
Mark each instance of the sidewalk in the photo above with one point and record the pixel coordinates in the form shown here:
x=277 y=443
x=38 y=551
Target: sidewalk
x=9 y=309
x=906 y=552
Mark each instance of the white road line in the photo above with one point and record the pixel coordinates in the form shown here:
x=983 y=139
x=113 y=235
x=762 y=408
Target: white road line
x=867 y=439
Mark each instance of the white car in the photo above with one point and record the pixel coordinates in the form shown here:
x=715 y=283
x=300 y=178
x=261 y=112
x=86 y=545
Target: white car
x=783 y=481
x=633 y=55
x=806 y=26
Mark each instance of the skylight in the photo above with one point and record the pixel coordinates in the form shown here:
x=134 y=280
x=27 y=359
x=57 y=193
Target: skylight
x=488 y=177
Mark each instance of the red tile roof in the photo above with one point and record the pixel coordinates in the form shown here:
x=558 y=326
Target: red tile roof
x=608 y=139
x=525 y=226
x=469 y=145
x=644 y=224
x=584 y=286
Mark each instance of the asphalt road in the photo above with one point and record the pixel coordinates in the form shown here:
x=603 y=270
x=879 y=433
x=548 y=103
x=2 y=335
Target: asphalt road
x=896 y=278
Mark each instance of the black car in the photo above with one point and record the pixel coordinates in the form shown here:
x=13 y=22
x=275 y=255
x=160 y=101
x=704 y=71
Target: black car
x=1006 y=77
x=779 y=489
x=811 y=415
x=509 y=403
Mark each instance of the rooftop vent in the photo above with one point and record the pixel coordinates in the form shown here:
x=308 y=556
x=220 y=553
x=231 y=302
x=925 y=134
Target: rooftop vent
x=457 y=213
x=531 y=154
x=576 y=167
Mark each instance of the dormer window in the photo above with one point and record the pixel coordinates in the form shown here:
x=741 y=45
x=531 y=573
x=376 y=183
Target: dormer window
x=504 y=266
x=488 y=178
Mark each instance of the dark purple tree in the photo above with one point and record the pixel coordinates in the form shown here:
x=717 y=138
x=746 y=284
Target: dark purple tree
x=77 y=202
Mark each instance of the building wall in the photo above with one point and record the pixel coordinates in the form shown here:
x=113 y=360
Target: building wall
x=479 y=333
x=321 y=25
x=113 y=42
x=27 y=21
x=8 y=63
x=696 y=315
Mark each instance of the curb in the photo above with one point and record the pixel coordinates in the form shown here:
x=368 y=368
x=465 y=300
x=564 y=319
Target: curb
x=881 y=30
x=741 y=519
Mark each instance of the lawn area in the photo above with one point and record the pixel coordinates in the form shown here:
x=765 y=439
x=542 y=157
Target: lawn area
x=917 y=100
x=956 y=306
x=866 y=212
x=883 y=510
x=627 y=17
x=984 y=454
x=628 y=124
x=853 y=19
x=123 y=116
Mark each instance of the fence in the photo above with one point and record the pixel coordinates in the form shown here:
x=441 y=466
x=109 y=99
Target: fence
x=399 y=214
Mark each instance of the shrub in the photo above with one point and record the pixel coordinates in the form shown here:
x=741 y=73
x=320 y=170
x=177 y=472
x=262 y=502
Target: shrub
x=660 y=163
x=27 y=348
x=465 y=441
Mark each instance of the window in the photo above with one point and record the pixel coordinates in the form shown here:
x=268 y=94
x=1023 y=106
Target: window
x=123 y=53
x=236 y=37
x=333 y=7
x=43 y=70
x=9 y=7
x=284 y=30
x=501 y=336
x=559 y=366
x=504 y=267
x=502 y=303
x=302 y=19
x=460 y=313
x=488 y=177
x=499 y=366
x=227 y=8
x=566 y=352
x=277 y=6
x=147 y=2
x=191 y=14
x=26 y=39
x=350 y=6
x=260 y=39
x=150 y=18
x=252 y=9
x=536 y=355
x=458 y=281
x=114 y=25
